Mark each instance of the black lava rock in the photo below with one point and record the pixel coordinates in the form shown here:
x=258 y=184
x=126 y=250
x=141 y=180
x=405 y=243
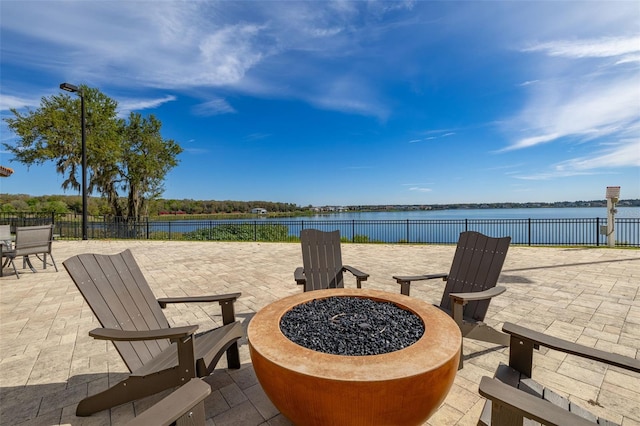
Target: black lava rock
x=344 y=325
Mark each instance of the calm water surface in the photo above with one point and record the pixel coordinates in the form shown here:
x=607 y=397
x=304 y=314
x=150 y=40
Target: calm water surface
x=529 y=213
x=569 y=226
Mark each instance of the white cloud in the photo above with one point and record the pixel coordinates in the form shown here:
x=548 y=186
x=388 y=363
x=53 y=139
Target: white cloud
x=625 y=153
x=214 y=107
x=8 y=102
x=128 y=105
x=580 y=99
x=589 y=48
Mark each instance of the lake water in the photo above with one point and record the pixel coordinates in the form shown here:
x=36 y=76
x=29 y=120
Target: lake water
x=534 y=226
x=529 y=213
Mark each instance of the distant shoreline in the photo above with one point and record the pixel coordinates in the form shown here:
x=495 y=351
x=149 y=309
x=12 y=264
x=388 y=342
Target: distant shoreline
x=480 y=206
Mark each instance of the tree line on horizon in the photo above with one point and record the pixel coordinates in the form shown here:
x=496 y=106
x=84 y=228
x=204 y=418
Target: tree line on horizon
x=98 y=206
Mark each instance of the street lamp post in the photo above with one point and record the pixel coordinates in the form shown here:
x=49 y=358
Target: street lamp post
x=74 y=89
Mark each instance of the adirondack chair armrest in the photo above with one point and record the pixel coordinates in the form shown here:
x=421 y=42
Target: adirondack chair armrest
x=405 y=280
x=464 y=298
x=232 y=297
x=358 y=273
x=524 y=340
x=408 y=278
x=115 y=334
x=509 y=405
x=360 y=276
x=226 y=302
x=298 y=275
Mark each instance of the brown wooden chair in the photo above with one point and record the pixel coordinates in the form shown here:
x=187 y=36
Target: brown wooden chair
x=322 y=260
x=30 y=240
x=514 y=398
x=158 y=357
x=470 y=284
x=182 y=407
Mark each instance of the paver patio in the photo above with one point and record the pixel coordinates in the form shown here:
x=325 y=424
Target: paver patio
x=48 y=362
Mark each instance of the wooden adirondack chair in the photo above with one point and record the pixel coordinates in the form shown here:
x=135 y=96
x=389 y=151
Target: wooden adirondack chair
x=470 y=284
x=322 y=260
x=513 y=395
x=30 y=240
x=158 y=357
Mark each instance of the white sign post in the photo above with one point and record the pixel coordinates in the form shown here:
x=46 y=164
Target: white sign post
x=613 y=195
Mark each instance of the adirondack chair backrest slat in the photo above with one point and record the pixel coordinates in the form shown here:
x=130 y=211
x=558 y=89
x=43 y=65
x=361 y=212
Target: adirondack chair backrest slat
x=322 y=259
x=120 y=298
x=33 y=240
x=476 y=266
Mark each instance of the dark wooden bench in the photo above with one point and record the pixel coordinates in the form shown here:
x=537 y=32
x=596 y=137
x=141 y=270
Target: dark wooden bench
x=532 y=403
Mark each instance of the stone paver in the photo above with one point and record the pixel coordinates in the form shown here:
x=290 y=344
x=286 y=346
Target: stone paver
x=48 y=362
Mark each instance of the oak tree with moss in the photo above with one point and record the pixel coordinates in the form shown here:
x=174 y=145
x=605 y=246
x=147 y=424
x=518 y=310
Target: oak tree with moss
x=127 y=159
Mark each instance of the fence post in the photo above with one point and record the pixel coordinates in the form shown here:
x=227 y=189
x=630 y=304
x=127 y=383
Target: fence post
x=353 y=230
x=255 y=230
x=529 y=231
x=597 y=232
x=408 y=231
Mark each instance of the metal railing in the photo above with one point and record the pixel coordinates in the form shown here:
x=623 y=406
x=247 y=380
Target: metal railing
x=532 y=232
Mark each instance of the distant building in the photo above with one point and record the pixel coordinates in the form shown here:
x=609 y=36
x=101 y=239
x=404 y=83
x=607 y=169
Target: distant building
x=5 y=171
x=259 y=210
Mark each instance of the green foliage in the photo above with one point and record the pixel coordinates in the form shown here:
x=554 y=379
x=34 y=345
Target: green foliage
x=127 y=160
x=171 y=209
x=239 y=232
x=358 y=238
x=24 y=203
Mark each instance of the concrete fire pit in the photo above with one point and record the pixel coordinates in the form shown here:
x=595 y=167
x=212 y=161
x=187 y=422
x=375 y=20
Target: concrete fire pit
x=315 y=388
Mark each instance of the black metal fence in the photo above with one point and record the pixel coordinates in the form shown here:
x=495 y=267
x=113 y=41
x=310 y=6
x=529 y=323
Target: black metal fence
x=532 y=232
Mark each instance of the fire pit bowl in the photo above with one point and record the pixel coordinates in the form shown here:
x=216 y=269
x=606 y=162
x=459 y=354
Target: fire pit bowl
x=315 y=388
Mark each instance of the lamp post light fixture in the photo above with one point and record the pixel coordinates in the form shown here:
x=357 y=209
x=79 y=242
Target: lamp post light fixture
x=75 y=89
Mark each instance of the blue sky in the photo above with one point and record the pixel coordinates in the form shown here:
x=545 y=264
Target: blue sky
x=345 y=102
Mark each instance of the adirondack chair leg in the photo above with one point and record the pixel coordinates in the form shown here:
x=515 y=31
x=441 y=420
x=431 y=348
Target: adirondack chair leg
x=405 y=287
x=229 y=316
x=128 y=390
x=186 y=358
x=457 y=313
x=502 y=415
x=521 y=355
x=196 y=416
